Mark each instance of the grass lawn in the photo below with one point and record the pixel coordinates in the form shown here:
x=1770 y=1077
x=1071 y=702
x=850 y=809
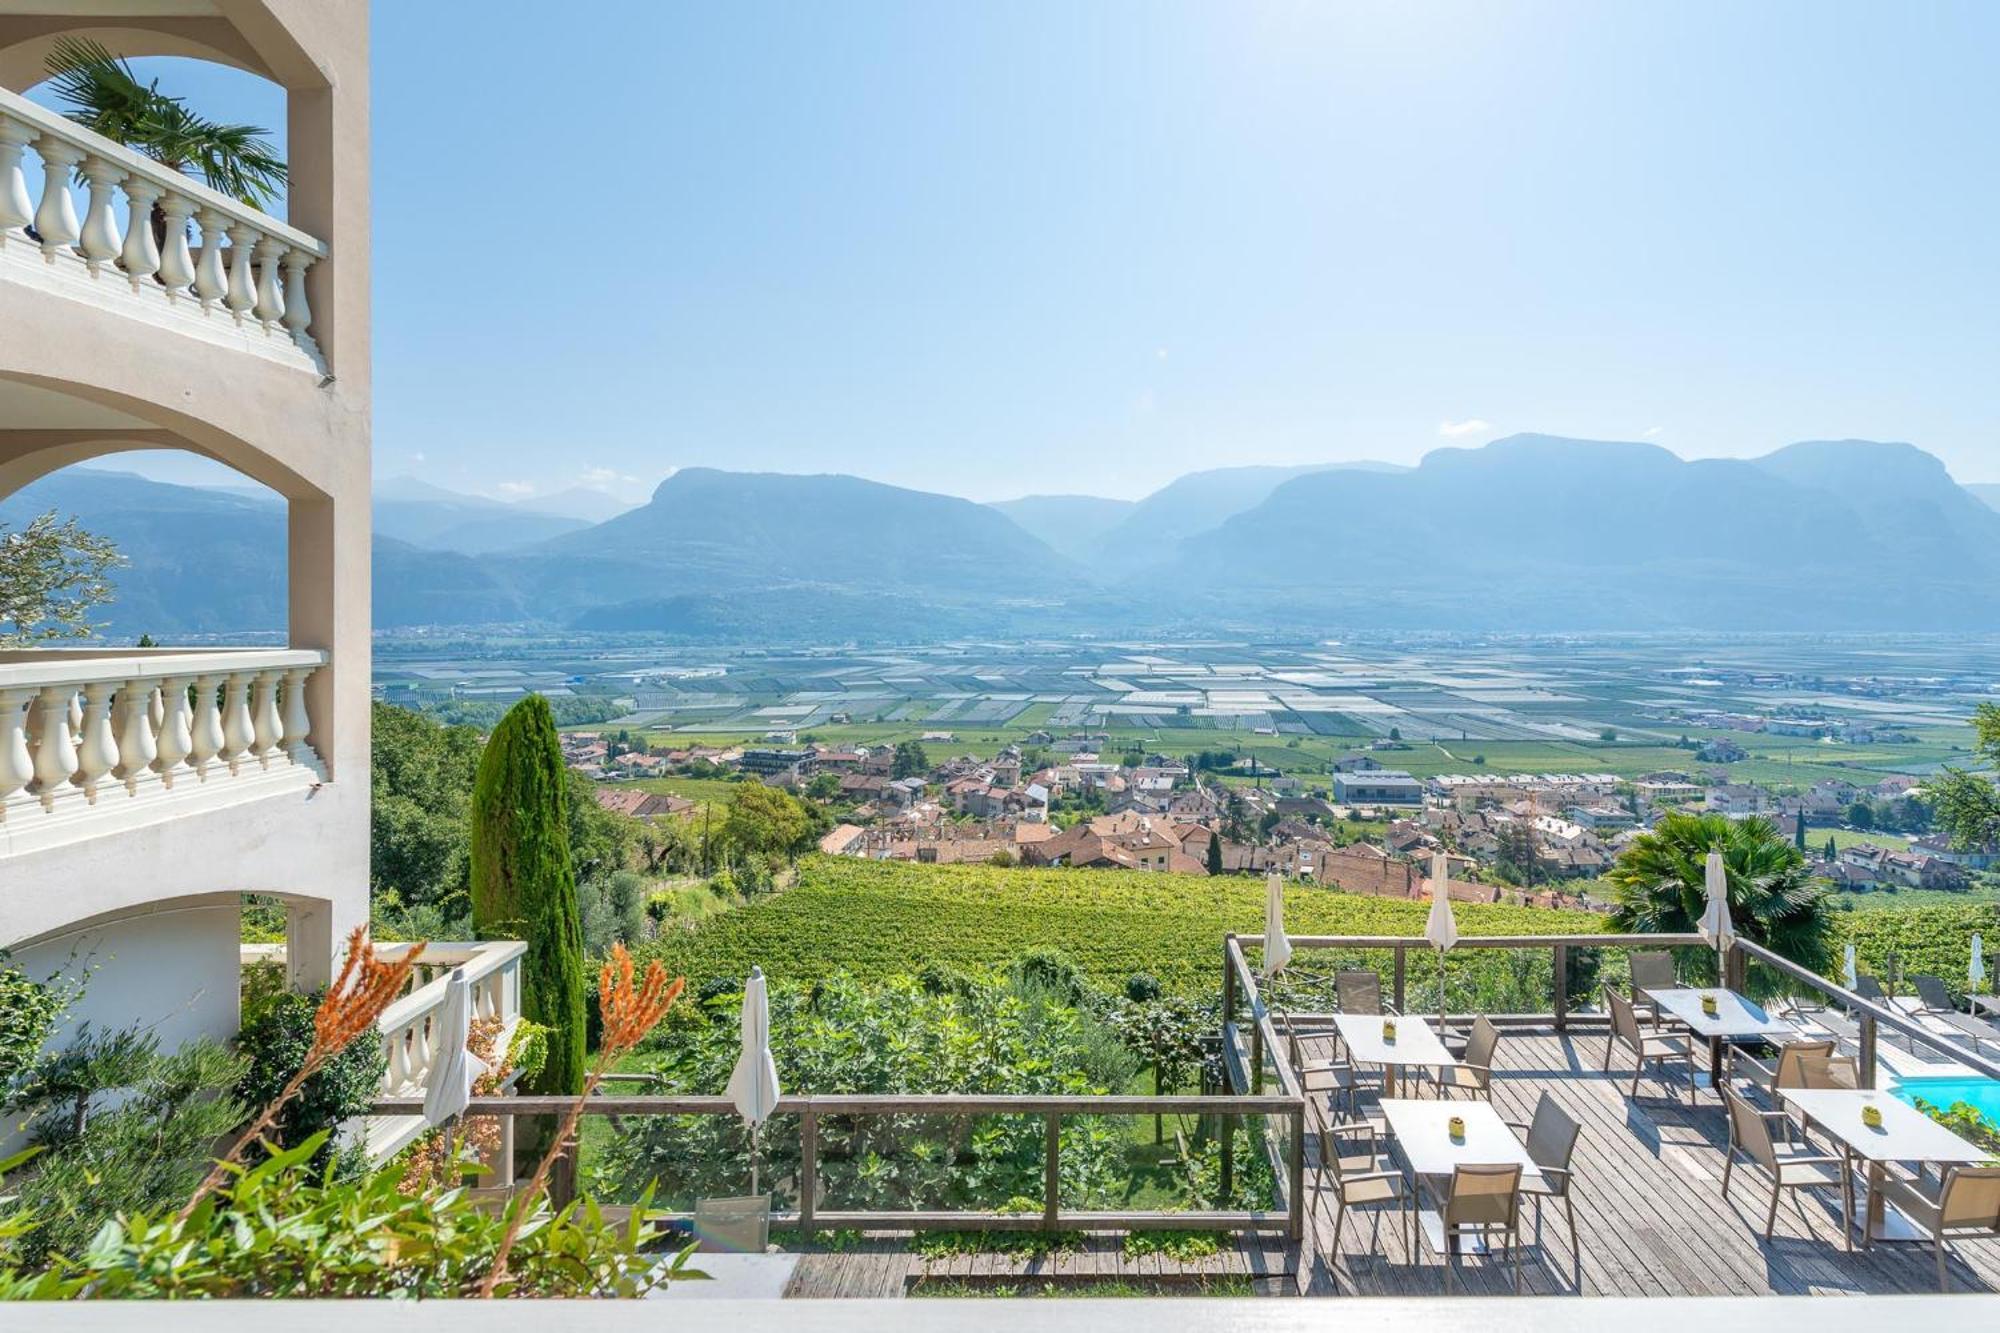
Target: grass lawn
x=702 y=791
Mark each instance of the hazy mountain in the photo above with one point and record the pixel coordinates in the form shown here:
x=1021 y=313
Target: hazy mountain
x=1151 y=532
x=1069 y=524
x=1986 y=492
x=1537 y=532
x=583 y=503
x=438 y=519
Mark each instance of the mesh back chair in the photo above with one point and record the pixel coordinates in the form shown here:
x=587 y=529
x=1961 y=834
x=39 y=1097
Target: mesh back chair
x=1474 y=1072
x=1788 y=1166
x=1787 y=1071
x=1336 y=1078
x=1932 y=997
x=1644 y=1044
x=1551 y=1142
x=1963 y=1203
x=1486 y=1200
x=1363 y=1178
x=1651 y=970
x=1935 y=1002
x=1870 y=989
x=1360 y=993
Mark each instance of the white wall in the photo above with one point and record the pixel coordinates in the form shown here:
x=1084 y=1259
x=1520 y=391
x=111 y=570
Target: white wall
x=173 y=971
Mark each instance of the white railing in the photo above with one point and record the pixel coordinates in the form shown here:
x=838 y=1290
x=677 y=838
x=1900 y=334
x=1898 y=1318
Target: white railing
x=98 y=735
x=255 y=285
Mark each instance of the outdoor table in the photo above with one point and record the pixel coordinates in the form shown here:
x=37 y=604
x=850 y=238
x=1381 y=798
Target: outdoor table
x=1416 y=1046
x=1421 y=1132
x=1906 y=1135
x=1735 y=1019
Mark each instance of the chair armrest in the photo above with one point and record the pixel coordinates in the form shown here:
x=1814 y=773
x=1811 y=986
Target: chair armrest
x=1371 y=1175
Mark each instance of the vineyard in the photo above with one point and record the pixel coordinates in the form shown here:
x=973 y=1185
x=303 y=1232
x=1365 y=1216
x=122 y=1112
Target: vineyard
x=1924 y=940
x=882 y=919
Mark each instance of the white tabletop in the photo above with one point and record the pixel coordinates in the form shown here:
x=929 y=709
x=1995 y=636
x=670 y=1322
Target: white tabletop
x=1734 y=1015
x=1906 y=1135
x=1422 y=1132
x=1415 y=1043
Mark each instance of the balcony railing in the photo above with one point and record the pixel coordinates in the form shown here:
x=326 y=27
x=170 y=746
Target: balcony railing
x=94 y=741
x=252 y=289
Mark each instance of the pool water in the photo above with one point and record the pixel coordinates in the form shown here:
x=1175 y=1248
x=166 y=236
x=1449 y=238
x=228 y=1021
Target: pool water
x=1983 y=1093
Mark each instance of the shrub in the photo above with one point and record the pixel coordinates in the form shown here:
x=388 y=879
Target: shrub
x=275 y=1041
x=523 y=883
x=613 y=909
x=28 y=1013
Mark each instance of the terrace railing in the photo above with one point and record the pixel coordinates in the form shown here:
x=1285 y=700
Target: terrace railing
x=250 y=292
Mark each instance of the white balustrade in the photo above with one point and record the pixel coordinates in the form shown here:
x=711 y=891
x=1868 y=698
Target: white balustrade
x=412 y=1026
x=96 y=728
x=249 y=267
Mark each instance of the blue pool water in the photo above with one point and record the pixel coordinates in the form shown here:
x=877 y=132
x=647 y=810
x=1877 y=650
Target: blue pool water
x=1983 y=1093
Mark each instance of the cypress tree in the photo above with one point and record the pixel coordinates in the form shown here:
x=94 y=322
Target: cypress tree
x=523 y=885
x=1215 y=852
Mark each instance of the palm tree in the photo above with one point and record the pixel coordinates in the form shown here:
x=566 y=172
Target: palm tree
x=100 y=91
x=1773 y=898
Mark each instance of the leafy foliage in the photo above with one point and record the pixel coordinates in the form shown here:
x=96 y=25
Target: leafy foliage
x=28 y=1013
x=421 y=785
x=882 y=919
x=1965 y=1120
x=52 y=573
x=1934 y=941
x=275 y=1040
x=1773 y=898
x=613 y=908
x=1966 y=805
x=523 y=883
x=279 y=1230
x=767 y=822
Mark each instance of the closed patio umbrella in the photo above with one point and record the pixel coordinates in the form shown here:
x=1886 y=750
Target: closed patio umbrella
x=1441 y=927
x=1277 y=945
x=753 y=1085
x=1715 y=923
x=1850 y=976
x=455 y=1069
x=1975 y=971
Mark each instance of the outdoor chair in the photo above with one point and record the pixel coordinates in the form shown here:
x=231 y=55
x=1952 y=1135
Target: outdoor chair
x=1551 y=1143
x=1788 y=1070
x=1644 y=1045
x=1337 y=1078
x=1963 y=1203
x=1474 y=1071
x=1364 y=1179
x=1932 y=997
x=1485 y=1200
x=1870 y=989
x=1786 y=1165
x=1651 y=970
x=733 y=1226
x=1935 y=1002
x=1829 y=1071
x=1361 y=993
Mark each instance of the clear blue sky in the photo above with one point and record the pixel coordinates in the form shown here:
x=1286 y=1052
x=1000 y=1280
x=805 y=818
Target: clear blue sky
x=1002 y=248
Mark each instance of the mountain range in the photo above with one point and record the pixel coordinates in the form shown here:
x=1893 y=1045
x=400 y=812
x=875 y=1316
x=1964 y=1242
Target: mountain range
x=1530 y=532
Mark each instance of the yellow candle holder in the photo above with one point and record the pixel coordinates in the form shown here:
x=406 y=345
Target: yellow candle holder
x=1871 y=1116
x=1709 y=1006
x=1388 y=1029
x=1455 y=1127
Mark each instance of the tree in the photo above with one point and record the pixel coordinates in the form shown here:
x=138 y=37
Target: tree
x=1861 y=815
x=1608 y=734
x=101 y=92
x=1966 y=806
x=1517 y=855
x=524 y=884
x=1799 y=832
x=910 y=760
x=52 y=574
x=1832 y=849
x=1659 y=884
x=766 y=822
x=1215 y=853
x=1395 y=733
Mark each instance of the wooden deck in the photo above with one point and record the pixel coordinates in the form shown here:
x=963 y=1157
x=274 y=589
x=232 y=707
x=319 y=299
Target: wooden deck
x=1649 y=1206
x=882 y=1266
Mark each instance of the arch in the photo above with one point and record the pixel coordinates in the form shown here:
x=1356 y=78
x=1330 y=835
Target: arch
x=25 y=43
x=27 y=454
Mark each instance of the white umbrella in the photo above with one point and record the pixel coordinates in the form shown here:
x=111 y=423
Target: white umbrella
x=1849 y=975
x=1441 y=927
x=455 y=1069
x=1277 y=945
x=753 y=1086
x=1715 y=922
x=1975 y=971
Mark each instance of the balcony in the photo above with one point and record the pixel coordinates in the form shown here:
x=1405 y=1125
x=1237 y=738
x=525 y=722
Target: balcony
x=242 y=285
x=98 y=742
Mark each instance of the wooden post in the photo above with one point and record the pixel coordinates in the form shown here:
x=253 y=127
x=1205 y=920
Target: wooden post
x=1400 y=971
x=1562 y=987
x=1256 y=1056
x=1867 y=1050
x=1228 y=1186
x=1228 y=980
x=1295 y=1226
x=808 y=1170
x=1051 y=1170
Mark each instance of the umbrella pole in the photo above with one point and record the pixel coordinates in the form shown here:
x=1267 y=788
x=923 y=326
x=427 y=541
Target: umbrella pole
x=1441 y=1005
x=753 y=1158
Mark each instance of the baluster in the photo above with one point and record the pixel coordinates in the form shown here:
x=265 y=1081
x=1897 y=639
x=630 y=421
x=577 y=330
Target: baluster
x=55 y=748
x=56 y=218
x=98 y=754
x=16 y=209
x=17 y=766
x=136 y=747
x=297 y=723
x=398 y=1074
x=266 y=726
x=210 y=282
x=207 y=737
x=141 y=258
x=270 y=293
x=238 y=733
x=100 y=241
x=176 y=734
x=298 y=313
x=242 y=293
x=75 y=713
x=177 y=263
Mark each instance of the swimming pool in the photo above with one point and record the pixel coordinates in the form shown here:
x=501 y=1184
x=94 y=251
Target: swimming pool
x=1983 y=1093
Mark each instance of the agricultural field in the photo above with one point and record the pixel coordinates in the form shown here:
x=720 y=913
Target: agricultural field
x=881 y=919
x=702 y=791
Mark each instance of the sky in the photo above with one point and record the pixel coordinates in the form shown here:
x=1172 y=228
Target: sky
x=1087 y=247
